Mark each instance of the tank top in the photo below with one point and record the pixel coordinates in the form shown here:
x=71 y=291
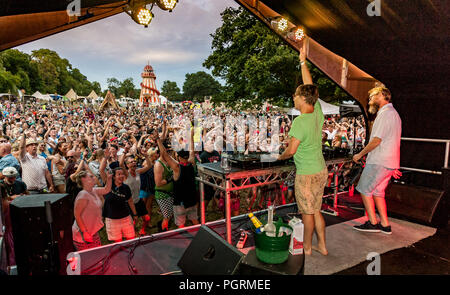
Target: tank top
x=185 y=189
x=135 y=185
x=166 y=190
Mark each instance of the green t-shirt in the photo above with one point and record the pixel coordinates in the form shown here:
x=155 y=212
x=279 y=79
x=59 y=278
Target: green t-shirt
x=308 y=129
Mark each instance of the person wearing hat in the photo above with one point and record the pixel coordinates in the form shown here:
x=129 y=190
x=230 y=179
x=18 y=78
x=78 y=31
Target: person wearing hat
x=35 y=172
x=7 y=159
x=11 y=188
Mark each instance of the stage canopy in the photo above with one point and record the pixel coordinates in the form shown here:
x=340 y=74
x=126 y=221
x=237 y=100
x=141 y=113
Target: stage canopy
x=405 y=47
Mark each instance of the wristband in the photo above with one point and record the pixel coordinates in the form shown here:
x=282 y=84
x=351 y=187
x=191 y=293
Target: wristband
x=302 y=63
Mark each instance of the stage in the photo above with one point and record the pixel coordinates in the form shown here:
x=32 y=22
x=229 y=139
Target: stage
x=158 y=254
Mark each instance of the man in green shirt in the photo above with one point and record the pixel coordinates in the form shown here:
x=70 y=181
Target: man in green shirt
x=306 y=146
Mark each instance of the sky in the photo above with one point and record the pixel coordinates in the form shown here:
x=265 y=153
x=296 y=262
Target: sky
x=175 y=43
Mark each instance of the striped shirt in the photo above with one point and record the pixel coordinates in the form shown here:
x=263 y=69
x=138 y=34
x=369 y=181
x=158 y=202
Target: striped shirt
x=33 y=172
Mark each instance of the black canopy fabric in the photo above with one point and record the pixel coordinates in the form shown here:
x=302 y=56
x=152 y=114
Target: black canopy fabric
x=406 y=48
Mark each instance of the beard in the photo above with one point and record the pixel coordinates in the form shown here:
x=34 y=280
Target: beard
x=373 y=108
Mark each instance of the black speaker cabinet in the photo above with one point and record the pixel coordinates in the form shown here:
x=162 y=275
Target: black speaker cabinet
x=210 y=254
x=35 y=253
x=425 y=205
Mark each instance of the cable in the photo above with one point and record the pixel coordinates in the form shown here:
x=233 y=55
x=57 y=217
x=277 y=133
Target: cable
x=170 y=273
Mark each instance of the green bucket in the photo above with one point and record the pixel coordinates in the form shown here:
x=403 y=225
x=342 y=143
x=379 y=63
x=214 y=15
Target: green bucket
x=273 y=250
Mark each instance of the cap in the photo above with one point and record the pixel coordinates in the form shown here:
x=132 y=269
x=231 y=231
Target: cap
x=114 y=138
x=31 y=141
x=10 y=172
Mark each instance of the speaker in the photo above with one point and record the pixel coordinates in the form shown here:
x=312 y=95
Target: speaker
x=210 y=254
x=35 y=250
x=422 y=204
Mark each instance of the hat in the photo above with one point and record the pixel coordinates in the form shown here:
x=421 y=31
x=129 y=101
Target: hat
x=114 y=138
x=31 y=141
x=9 y=172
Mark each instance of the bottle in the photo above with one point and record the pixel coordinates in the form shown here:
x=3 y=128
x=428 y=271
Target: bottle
x=256 y=223
x=270 y=228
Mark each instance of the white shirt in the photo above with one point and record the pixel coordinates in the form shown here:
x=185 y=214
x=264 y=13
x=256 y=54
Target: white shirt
x=330 y=135
x=388 y=127
x=33 y=172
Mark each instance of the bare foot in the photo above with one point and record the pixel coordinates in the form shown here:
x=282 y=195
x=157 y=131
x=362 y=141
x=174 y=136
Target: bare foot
x=321 y=250
x=307 y=252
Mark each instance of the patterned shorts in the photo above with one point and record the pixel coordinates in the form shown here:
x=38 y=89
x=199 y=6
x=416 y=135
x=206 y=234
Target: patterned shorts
x=309 y=191
x=166 y=207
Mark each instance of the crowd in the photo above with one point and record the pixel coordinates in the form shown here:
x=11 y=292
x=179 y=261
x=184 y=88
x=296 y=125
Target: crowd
x=114 y=163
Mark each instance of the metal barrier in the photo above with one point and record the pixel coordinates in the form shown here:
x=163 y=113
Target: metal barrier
x=447 y=148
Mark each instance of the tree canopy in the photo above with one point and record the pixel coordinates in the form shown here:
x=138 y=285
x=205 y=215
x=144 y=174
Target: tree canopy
x=44 y=71
x=171 y=91
x=199 y=85
x=257 y=65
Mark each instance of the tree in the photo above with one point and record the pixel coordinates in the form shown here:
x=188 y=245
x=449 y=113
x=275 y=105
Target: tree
x=113 y=86
x=127 y=88
x=199 y=85
x=257 y=65
x=171 y=91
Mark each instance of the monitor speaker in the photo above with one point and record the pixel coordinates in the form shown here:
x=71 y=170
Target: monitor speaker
x=210 y=254
x=425 y=205
x=42 y=231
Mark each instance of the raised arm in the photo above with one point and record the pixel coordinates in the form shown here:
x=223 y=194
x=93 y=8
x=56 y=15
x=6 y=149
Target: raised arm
x=306 y=75
x=22 y=147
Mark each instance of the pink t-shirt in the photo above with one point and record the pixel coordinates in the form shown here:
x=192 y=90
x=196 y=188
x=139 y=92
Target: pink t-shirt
x=91 y=215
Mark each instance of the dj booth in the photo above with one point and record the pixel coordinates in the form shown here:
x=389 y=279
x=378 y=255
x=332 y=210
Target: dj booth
x=249 y=172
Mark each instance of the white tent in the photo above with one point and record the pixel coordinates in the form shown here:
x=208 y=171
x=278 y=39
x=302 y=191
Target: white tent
x=38 y=95
x=327 y=109
x=163 y=99
x=46 y=97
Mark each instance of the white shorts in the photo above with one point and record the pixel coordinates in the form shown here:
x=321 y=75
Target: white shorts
x=180 y=213
x=118 y=228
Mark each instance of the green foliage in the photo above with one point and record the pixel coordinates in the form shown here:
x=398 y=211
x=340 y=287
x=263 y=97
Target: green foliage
x=171 y=91
x=44 y=70
x=257 y=65
x=122 y=88
x=199 y=85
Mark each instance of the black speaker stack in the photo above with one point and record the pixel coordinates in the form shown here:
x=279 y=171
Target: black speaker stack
x=42 y=230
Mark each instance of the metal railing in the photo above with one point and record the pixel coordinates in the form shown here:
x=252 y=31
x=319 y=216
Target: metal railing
x=447 y=148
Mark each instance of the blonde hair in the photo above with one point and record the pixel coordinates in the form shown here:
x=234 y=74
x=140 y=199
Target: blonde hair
x=383 y=90
x=79 y=176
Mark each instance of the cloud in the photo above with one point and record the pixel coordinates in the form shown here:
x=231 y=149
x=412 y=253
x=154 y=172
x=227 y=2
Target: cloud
x=175 y=43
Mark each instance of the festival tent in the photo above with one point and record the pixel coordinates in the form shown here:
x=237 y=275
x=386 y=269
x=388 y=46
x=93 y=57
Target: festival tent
x=109 y=102
x=327 y=109
x=46 y=97
x=38 y=95
x=92 y=95
x=71 y=95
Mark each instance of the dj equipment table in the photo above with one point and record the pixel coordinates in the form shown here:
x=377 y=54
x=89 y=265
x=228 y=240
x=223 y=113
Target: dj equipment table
x=236 y=179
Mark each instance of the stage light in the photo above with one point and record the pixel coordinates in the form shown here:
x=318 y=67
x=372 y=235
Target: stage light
x=167 y=4
x=144 y=16
x=280 y=24
x=296 y=34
